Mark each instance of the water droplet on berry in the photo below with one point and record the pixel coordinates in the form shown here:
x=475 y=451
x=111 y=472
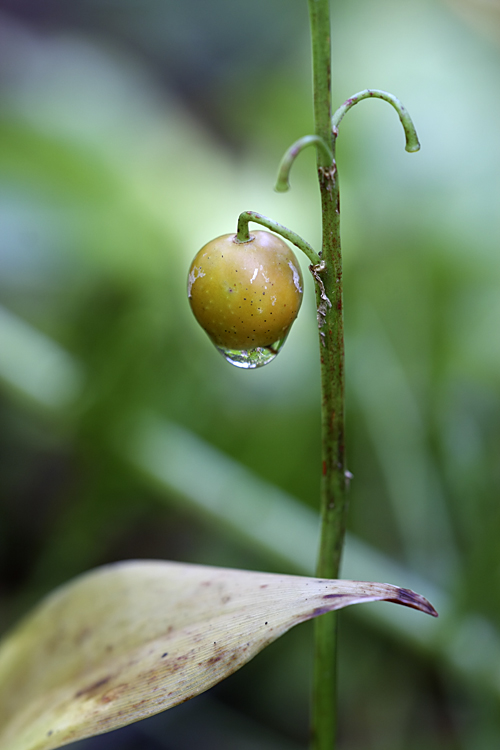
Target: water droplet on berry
x=249 y=359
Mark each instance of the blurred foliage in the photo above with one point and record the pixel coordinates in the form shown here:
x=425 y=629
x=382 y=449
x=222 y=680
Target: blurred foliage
x=129 y=136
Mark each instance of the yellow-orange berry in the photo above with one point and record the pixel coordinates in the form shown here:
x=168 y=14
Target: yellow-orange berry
x=245 y=295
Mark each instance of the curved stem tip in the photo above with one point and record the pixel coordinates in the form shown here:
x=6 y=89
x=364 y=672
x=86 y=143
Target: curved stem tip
x=282 y=182
x=412 y=143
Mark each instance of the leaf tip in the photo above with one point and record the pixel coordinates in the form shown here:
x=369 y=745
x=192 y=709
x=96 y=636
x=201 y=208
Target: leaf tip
x=409 y=598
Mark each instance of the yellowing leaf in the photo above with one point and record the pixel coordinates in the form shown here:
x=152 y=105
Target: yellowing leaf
x=131 y=639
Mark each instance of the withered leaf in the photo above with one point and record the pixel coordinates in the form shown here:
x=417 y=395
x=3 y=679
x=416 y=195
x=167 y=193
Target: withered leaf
x=131 y=639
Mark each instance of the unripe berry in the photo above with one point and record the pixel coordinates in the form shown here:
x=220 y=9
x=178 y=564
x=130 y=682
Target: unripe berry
x=245 y=295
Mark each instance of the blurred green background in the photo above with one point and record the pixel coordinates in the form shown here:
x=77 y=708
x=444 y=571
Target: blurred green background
x=131 y=134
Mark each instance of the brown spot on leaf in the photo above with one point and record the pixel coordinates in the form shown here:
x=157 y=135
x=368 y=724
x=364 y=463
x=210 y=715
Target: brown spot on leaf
x=82 y=636
x=88 y=691
x=214 y=660
x=140 y=703
x=333 y=596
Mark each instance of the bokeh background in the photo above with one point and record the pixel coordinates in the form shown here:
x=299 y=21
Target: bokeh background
x=131 y=134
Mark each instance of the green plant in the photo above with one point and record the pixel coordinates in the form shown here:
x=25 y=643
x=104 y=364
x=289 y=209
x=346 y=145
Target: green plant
x=326 y=268
x=54 y=693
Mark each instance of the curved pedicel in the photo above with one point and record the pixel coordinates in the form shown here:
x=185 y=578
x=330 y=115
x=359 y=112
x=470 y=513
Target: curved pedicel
x=243 y=234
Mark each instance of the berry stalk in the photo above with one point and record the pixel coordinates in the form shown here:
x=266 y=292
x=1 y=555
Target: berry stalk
x=243 y=233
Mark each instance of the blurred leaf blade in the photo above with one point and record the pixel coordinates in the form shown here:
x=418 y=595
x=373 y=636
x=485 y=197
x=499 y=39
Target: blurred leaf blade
x=132 y=639
x=36 y=367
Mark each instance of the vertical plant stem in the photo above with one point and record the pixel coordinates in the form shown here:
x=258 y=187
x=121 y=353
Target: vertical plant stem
x=328 y=282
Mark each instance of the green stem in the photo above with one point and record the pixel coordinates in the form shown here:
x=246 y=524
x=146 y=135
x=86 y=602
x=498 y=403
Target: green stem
x=328 y=281
x=243 y=235
x=412 y=143
x=282 y=182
